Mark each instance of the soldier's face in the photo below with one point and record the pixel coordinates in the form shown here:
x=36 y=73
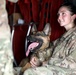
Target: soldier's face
x=64 y=17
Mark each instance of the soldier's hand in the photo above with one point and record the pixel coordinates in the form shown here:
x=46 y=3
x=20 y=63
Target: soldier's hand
x=34 y=62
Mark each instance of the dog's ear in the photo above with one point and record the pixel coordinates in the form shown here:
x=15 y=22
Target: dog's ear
x=34 y=29
x=47 y=29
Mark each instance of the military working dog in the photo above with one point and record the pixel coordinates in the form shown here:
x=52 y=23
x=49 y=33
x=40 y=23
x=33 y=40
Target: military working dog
x=39 y=46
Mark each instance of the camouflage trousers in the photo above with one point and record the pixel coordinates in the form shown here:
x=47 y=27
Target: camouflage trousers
x=6 y=57
x=50 y=70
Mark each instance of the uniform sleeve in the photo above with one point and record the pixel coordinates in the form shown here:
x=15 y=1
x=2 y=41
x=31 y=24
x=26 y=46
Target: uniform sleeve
x=69 y=61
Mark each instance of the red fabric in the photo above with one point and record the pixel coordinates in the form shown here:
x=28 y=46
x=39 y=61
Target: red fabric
x=26 y=1
x=25 y=8
x=39 y=12
x=19 y=42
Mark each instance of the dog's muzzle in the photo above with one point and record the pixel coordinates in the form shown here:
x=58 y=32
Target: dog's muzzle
x=33 y=44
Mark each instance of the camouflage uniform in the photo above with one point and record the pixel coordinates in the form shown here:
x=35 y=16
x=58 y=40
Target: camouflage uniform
x=63 y=60
x=6 y=57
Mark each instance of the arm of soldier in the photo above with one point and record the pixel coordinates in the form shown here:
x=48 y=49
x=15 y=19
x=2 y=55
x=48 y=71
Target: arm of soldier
x=42 y=58
x=33 y=61
x=70 y=60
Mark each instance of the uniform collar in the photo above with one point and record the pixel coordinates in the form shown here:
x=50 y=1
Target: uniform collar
x=69 y=32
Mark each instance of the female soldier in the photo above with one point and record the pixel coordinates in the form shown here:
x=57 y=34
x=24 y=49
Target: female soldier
x=63 y=60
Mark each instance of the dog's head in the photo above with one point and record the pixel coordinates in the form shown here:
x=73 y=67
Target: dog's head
x=39 y=40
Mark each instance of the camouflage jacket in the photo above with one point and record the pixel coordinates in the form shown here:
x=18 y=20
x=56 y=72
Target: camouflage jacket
x=63 y=60
x=64 y=53
x=6 y=55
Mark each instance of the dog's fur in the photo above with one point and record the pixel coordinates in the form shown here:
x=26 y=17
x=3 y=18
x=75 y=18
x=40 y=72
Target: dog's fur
x=42 y=50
